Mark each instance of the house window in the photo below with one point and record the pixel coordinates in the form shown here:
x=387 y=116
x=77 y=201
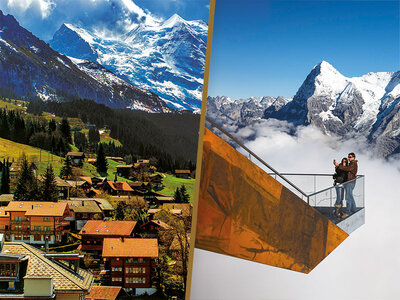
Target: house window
x=139 y=280
x=117 y=269
x=37 y=237
x=46 y=219
x=141 y=260
x=116 y=279
x=37 y=228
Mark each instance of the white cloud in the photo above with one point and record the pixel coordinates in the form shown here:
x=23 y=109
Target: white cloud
x=44 y=17
x=364 y=266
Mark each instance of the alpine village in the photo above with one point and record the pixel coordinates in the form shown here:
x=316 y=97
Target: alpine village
x=88 y=208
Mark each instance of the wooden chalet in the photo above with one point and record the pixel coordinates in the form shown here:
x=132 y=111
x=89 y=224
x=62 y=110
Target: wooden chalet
x=83 y=210
x=124 y=170
x=132 y=262
x=182 y=174
x=152 y=228
x=95 y=231
x=118 y=188
x=76 y=158
x=34 y=221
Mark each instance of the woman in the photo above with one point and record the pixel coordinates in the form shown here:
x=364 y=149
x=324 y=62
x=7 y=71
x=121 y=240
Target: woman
x=340 y=176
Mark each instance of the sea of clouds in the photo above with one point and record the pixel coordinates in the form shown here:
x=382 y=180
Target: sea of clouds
x=364 y=266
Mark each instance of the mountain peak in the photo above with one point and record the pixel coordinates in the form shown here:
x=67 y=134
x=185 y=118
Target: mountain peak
x=173 y=21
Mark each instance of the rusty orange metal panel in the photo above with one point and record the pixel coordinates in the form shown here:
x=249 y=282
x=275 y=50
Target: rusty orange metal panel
x=246 y=213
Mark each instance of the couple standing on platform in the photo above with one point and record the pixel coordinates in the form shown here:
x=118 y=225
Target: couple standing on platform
x=345 y=181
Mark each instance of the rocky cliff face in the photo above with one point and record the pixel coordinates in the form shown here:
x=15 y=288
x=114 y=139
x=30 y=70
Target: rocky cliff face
x=165 y=57
x=366 y=107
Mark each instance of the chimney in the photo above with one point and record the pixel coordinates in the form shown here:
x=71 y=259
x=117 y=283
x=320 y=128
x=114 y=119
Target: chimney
x=83 y=203
x=122 y=239
x=31 y=206
x=46 y=244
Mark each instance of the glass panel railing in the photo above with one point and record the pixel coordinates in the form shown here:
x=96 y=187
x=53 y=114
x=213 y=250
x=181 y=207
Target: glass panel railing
x=316 y=189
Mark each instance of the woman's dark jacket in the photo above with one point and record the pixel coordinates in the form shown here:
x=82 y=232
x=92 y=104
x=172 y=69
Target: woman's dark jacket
x=340 y=176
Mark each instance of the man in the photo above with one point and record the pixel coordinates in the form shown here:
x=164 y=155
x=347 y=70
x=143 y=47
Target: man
x=351 y=170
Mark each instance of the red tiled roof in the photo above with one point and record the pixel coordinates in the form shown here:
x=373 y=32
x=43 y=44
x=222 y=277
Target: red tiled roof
x=98 y=227
x=130 y=247
x=38 y=208
x=104 y=293
x=120 y=186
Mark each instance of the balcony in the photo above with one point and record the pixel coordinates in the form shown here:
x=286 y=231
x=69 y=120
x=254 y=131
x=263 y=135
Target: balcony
x=22 y=222
x=249 y=210
x=319 y=192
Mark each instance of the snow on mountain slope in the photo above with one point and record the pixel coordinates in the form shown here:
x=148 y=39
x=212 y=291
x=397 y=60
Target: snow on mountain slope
x=335 y=103
x=242 y=112
x=165 y=57
x=31 y=68
x=367 y=107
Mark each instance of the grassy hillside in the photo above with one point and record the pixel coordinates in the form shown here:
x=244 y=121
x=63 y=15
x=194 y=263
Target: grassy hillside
x=42 y=158
x=170 y=183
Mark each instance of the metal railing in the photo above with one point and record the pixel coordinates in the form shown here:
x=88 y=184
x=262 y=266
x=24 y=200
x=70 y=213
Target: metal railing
x=316 y=189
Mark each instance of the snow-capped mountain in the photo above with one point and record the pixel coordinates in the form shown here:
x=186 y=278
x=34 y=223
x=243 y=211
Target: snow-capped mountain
x=366 y=107
x=165 y=57
x=226 y=111
x=31 y=68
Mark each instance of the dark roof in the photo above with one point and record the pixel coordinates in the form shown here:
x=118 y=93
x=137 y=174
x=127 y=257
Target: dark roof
x=75 y=154
x=83 y=206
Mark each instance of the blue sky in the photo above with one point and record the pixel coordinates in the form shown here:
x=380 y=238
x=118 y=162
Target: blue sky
x=44 y=17
x=267 y=48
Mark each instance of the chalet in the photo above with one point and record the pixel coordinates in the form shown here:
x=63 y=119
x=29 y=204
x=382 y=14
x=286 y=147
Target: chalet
x=26 y=273
x=33 y=221
x=105 y=206
x=124 y=170
x=106 y=293
x=182 y=174
x=152 y=228
x=118 y=188
x=132 y=262
x=155 y=180
x=184 y=208
x=76 y=158
x=140 y=186
x=82 y=211
x=94 y=232
x=79 y=184
x=87 y=179
x=116 y=159
x=160 y=200
x=63 y=188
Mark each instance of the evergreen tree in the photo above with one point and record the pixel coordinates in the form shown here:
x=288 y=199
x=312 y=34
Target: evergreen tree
x=94 y=136
x=52 y=126
x=184 y=194
x=27 y=188
x=49 y=186
x=66 y=170
x=177 y=196
x=120 y=211
x=5 y=178
x=101 y=163
x=65 y=130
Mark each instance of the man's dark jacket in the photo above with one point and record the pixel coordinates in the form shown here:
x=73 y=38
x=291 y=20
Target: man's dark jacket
x=351 y=169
